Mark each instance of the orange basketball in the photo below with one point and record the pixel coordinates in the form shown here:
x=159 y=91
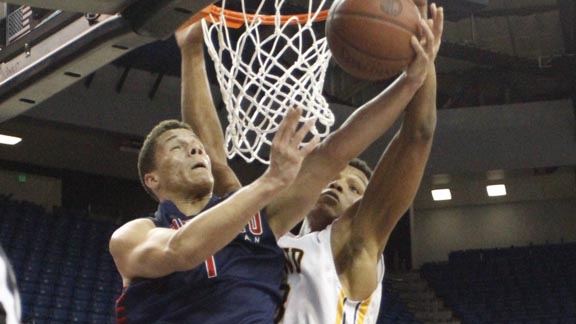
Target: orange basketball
x=370 y=39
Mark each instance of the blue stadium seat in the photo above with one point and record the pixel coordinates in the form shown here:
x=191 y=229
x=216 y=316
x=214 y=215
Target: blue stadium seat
x=60 y=315
x=79 y=317
x=42 y=301
x=40 y=313
x=99 y=318
x=102 y=308
x=45 y=289
x=532 y=284
x=66 y=291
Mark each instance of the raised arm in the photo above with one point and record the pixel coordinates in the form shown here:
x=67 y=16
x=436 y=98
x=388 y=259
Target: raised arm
x=198 y=108
x=361 y=129
x=141 y=250
x=361 y=235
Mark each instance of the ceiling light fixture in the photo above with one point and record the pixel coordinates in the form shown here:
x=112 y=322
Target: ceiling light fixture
x=496 y=190
x=441 y=194
x=9 y=140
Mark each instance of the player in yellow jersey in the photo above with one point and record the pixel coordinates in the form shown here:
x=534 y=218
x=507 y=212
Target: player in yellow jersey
x=335 y=266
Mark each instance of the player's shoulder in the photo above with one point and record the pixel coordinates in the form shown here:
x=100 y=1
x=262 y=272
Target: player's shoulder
x=129 y=235
x=287 y=238
x=308 y=239
x=131 y=228
x=145 y=222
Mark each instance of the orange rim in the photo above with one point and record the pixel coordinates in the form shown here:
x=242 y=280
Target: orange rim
x=235 y=19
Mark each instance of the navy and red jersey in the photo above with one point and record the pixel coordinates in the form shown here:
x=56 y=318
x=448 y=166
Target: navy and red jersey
x=239 y=284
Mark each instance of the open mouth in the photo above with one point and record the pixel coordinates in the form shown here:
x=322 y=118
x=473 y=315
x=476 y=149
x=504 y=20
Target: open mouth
x=198 y=166
x=331 y=194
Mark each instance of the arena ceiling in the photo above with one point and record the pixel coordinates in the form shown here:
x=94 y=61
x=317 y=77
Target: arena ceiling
x=493 y=52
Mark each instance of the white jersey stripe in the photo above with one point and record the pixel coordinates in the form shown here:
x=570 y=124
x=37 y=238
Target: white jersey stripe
x=356 y=312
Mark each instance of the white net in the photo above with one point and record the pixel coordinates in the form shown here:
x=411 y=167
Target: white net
x=264 y=70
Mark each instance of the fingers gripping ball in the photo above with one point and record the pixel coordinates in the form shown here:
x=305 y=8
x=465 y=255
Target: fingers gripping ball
x=370 y=39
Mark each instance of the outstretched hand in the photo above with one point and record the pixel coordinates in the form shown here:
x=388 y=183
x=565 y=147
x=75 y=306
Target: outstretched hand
x=287 y=150
x=428 y=45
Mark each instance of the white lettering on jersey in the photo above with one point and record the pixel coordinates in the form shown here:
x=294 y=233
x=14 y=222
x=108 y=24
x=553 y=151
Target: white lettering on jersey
x=254 y=226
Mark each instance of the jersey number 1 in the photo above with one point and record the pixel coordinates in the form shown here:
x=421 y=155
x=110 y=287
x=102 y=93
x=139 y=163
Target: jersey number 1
x=255 y=227
x=211 y=267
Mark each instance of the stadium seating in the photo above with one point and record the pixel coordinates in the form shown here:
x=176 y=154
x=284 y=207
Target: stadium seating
x=533 y=284
x=392 y=309
x=64 y=271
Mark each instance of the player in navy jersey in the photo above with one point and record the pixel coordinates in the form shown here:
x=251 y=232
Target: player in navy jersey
x=210 y=294
x=203 y=258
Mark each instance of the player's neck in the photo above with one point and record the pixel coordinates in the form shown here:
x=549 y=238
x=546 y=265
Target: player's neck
x=319 y=219
x=190 y=206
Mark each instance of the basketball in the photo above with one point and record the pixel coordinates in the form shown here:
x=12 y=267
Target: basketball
x=370 y=39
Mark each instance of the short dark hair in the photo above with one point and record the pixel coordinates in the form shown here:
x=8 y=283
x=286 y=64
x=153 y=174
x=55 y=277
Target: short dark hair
x=362 y=166
x=147 y=155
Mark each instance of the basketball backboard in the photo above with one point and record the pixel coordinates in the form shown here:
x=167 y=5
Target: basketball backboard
x=93 y=6
x=50 y=57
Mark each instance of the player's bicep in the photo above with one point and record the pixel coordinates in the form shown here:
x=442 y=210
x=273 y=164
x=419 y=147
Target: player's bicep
x=391 y=191
x=139 y=250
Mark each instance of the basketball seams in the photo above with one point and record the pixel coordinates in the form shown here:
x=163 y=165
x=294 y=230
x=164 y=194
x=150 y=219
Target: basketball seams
x=394 y=66
x=375 y=18
x=369 y=42
x=340 y=36
x=380 y=58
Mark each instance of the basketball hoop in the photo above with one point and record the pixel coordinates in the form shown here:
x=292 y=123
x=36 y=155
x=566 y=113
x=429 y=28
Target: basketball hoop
x=265 y=65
